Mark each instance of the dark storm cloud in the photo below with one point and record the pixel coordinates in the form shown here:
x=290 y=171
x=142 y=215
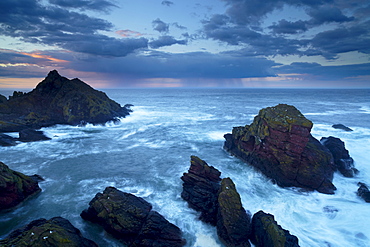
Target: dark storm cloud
x=167 y=3
x=166 y=41
x=241 y=24
x=96 y=5
x=50 y=25
x=160 y=26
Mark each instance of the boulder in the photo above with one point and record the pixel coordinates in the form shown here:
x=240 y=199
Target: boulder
x=15 y=187
x=267 y=233
x=57 y=100
x=131 y=220
x=280 y=145
x=54 y=232
x=343 y=162
x=6 y=140
x=31 y=135
x=200 y=189
x=233 y=222
x=342 y=127
x=363 y=192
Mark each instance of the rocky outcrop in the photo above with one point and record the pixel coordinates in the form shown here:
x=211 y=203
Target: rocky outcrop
x=279 y=144
x=233 y=222
x=342 y=127
x=267 y=232
x=343 y=162
x=363 y=192
x=15 y=187
x=200 y=189
x=132 y=220
x=7 y=141
x=31 y=135
x=54 y=232
x=57 y=100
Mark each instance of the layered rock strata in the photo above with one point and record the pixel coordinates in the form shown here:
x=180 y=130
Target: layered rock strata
x=54 y=232
x=132 y=220
x=280 y=145
x=15 y=187
x=57 y=100
x=342 y=160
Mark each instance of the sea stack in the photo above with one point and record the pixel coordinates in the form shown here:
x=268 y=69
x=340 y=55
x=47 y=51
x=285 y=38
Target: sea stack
x=280 y=145
x=57 y=100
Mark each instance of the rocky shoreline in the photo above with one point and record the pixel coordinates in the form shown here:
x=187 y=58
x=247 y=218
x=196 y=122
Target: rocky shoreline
x=278 y=143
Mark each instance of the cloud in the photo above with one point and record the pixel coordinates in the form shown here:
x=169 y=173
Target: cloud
x=327 y=14
x=167 y=3
x=289 y=27
x=128 y=33
x=166 y=41
x=50 y=25
x=96 y=5
x=160 y=26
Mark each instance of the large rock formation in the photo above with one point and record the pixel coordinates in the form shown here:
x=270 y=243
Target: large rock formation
x=131 y=220
x=54 y=232
x=233 y=222
x=200 y=189
x=267 y=232
x=279 y=143
x=15 y=187
x=57 y=100
x=343 y=162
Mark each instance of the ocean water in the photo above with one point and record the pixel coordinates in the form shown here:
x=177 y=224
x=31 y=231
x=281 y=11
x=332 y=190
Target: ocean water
x=147 y=152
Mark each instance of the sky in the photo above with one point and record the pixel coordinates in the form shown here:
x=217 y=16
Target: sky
x=193 y=43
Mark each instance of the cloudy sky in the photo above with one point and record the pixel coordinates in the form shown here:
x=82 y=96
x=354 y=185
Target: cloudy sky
x=210 y=43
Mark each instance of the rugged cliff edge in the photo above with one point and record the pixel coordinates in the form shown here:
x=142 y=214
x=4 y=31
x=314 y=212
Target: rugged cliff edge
x=57 y=100
x=279 y=143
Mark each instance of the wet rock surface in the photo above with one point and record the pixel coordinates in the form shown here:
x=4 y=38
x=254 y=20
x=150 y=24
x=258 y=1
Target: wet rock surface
x=132 y=220
x=363 y=192
x=280 y=145
x=15 y=187
x=54 y=232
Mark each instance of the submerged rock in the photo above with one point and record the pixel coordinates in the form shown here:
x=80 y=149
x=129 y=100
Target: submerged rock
x=342 y=127
x=279 y=144
x=200 y=189
x=267 y=232
x=233 y=222
x=57 y=100
x=31 y=135
x=15 y=187
x=363 y=192
x=132 y=220
x=342 y=160
x=54 y=232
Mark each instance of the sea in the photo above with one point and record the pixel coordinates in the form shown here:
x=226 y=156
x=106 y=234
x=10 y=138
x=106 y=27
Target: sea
x=147 y=152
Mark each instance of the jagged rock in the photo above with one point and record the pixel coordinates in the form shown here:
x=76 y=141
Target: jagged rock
x=342 y=160
x=15 y=187
x=267 y=233
x=363 y=192
x=131 y=220
x=31 y=135
x=6 y=140
x=342 y=127
x=279 y=144
x=54 y=232
x=200 y=189
x=57 y=100
x=233 y=222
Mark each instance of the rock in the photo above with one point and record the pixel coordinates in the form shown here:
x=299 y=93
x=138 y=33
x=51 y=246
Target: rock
x=342 y=127
x=200 y=189
x=233 y=222
x=31 y=135
x=15 y=187
x=343 y=162
x=363 y=192
x=6 y=140
x=280 y=145
x=131 y=220
x=57 y=100
x=267 y=232
x=54 y=232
